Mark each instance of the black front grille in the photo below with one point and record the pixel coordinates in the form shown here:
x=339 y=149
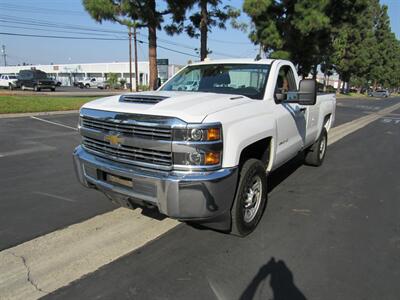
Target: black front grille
x=143 y=99
x=129 y=153
x=152 y=132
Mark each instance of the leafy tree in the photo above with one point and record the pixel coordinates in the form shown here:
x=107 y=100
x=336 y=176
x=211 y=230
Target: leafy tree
x=290 y=29
x=200 y=22
x=380 y=71
x=139 y=13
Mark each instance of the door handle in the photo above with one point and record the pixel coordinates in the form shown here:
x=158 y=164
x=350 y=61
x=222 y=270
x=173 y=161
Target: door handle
x=302 y=109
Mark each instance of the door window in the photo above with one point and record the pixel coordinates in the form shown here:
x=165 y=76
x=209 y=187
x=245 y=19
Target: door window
x=285 y=83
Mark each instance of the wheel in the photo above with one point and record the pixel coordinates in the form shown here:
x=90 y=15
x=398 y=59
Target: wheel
x=250 y=199
x=10 y=87
x=36 y=88
x=87 y=85
x=23 y=87
x=53 y=89
x=316 y=153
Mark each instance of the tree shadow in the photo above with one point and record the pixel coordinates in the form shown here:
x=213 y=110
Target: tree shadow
x=281 y=282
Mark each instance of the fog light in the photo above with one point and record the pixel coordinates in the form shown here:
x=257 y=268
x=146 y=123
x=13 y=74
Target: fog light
x=196 y=134
x=212 y=158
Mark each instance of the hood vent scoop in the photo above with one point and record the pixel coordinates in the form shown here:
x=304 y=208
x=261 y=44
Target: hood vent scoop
x=142 y=99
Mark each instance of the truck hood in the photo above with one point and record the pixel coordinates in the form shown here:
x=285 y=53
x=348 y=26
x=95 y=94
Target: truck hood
x=191 y=107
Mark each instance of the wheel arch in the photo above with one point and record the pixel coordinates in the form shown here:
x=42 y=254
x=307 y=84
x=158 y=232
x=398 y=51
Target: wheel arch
x=261 y=149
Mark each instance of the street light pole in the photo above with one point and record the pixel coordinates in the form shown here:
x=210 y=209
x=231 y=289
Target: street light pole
x=130 y=58
x=3 y=51
x=136 y=62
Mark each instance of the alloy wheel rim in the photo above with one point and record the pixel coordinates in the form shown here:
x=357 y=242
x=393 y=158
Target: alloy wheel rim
x=252 y=199
x=322 y=148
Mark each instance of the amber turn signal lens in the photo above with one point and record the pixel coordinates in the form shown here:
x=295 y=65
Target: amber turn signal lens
x=212 y=158
x=213 y=134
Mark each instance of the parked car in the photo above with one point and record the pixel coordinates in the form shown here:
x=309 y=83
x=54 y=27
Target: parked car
x=91 y=83
x=379 y=93
x=203 y=156
x=8 y=81
x=34 y=80
x=58 y=82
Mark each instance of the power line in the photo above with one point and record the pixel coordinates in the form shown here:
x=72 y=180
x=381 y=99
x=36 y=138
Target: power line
x=85 y=30
x=169 y=49
x=191 y=48
x=230 y=42
x=88 y=38
x=34 y=22
x=62 y=37
x=41 y=10
x=53 y=30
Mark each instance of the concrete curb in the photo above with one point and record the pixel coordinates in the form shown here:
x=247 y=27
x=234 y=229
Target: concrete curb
x=39 y=113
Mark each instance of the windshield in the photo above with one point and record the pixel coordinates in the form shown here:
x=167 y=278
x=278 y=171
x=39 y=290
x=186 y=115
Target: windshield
x=40 y=75
x=241 y=79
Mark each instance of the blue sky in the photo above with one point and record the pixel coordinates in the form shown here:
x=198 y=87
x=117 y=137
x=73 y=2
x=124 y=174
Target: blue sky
x=224 y=43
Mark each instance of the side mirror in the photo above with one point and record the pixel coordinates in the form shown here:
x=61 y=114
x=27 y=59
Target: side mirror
x=307 y=94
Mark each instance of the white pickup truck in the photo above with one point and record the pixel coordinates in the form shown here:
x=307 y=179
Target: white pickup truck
x=8 y=81
x=92 y=83
x=203 y=155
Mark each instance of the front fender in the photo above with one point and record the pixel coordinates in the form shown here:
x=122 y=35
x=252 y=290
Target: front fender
x=239 y=135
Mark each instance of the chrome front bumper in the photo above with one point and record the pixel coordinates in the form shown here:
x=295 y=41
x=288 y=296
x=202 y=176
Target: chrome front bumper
x=197 y=196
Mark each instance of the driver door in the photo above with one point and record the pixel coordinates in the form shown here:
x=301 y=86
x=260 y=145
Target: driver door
x=291 y=117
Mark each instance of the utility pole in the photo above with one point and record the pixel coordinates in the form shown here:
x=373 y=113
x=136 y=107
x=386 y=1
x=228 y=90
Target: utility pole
x=130 y=58
x=3 y=53
x=136 y=62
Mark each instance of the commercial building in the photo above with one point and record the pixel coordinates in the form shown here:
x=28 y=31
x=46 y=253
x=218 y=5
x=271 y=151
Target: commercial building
x=67 y=74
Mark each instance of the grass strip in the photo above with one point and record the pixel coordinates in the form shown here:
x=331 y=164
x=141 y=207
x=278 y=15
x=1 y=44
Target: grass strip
x=39 y=103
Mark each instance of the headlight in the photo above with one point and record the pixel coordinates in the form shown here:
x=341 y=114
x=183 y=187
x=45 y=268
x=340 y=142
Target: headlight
x=197 y=147
x=196 y=133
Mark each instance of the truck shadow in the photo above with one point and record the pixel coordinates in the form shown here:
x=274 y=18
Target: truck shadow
x=281 y=282
x=273 y=180
x=282 y=173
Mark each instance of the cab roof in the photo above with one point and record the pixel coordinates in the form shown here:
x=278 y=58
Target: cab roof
x=234 y=61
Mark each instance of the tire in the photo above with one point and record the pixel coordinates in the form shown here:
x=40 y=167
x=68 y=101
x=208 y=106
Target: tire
x=87 y=86
x=36 y=89
x=53 y=89
x=315 y=155
x=249 y=205
x=10 y=87
x=23 y=87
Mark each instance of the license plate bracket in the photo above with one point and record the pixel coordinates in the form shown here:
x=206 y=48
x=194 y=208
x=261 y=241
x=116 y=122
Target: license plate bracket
x=126 y=182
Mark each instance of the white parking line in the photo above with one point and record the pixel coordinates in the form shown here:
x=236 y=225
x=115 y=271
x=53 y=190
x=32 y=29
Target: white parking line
x=47 y=263
x=54 y=196
x=54 y=123
x=31 y=149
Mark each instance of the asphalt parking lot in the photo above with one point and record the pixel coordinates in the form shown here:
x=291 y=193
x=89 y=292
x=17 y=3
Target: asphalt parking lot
x=328 y=233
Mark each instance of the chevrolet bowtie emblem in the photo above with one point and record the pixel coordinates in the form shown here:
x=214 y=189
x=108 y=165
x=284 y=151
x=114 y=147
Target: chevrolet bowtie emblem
x=113 y=139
